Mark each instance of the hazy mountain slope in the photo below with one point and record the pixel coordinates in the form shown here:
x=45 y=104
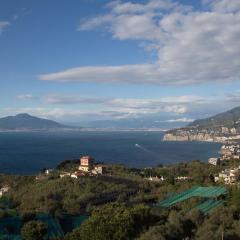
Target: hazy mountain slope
x=26 y=121
x=228 y=119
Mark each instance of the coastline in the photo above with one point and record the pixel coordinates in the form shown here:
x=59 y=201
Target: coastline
x=85 y=130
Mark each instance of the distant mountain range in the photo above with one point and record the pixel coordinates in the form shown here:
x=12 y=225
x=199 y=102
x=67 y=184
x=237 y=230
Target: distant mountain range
x=25 y=121
x=133 y=123
x=229 y=120
x=218 y=128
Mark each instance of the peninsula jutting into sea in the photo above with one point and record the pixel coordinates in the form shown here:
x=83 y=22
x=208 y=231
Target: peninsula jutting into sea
x=219 y=128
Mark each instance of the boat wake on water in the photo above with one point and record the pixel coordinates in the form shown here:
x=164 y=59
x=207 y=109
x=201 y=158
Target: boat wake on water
x=145 y=149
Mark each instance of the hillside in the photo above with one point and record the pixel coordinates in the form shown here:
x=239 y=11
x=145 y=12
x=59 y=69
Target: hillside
x=229 y=119
x=218 y=128
x=25 y=121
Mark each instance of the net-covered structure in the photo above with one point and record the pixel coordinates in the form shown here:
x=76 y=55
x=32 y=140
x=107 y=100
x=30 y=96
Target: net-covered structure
x=211 y=196
x=208 y=205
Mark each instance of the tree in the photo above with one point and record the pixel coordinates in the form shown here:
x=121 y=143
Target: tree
x=235 y=198
x=116 y=222
x=74 y=235
x=33 y=230
x=154 y=233
x=170 y=179
x=28 y=216
x=196 y=216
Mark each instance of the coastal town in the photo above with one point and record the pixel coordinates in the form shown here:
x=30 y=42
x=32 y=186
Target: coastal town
x=229 y=153
x=217 y=134
x=229 y=160
x=222 y=128
x=228 y=163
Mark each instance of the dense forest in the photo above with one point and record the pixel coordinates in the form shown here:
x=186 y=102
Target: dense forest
x=120 y=204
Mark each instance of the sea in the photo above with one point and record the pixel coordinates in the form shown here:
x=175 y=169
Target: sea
x=26 y=153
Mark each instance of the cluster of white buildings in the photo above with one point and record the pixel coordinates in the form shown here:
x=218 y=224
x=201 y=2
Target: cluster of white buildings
x=161 y=179
x=214 y=161
x=155 y=179
x=230 y=151
x=87 y=166
x=228 y=176
x=4 y=189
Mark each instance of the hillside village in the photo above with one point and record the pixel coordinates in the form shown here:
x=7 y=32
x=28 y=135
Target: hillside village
x=229 y=161
x=87 y=166
x=222 y=128
x=230 y=153
x=221 y=134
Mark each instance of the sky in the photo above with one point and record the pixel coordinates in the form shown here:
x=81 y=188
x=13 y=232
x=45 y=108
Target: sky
x=88 y=60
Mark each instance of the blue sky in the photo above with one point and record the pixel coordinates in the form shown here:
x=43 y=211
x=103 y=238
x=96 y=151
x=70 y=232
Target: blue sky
x=90 y=60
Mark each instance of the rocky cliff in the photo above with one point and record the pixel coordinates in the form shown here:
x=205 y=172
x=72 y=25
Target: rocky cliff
x=199 y=136
x=187 y=136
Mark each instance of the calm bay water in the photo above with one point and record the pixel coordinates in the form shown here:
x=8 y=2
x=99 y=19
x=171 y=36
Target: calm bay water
x=27 y=153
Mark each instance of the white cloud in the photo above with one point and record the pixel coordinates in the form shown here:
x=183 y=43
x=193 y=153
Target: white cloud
x=184 y=105
x=193 y=46
x=224 y=6
x=123 y=107
x=184 y=120
x=26 y=97
x=105 y=74
x=119 y=7
x=147 y=106
x=3 y=25
x=164 y=109
x=60 y=99
x=119 y=102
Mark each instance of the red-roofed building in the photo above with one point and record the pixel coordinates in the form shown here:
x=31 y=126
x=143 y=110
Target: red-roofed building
x=86 y=163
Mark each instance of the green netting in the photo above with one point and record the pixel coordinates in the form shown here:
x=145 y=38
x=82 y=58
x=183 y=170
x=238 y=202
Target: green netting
x=208 y=205
x=205 y=192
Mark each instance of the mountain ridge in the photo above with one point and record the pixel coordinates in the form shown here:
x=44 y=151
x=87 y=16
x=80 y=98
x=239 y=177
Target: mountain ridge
x=25 y=121
x=230 y=118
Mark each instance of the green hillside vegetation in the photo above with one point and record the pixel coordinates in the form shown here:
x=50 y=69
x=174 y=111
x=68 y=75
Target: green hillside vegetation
x=119 y=205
